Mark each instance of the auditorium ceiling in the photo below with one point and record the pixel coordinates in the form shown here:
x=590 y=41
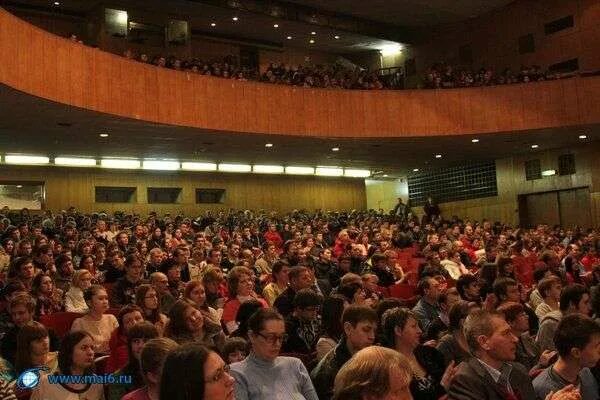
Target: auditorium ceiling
x=30 y=125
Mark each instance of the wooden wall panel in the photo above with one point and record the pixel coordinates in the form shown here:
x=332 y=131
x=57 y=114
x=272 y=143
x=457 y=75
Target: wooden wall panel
x=81 y=76
x=75 y=186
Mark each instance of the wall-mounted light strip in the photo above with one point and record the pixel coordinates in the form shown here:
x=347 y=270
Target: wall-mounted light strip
x=198 y=166
x=26 y=160
x=235 y=168
x=268 y=169
x=549 y=172
x=357 y=173
x=120 y=163
x=300 y=170
x=75 y=162
x=161 y=165
x=329 y=171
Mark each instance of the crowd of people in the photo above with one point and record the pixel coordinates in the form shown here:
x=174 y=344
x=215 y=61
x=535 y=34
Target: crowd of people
x=445 y=76
x=304 y=305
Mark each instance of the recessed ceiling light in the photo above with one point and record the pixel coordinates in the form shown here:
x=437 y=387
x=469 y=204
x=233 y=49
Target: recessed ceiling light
x=534 y=146
x=335 y=149
x=269 y=145
x=275 y=25
x=213 y=24
x=235 y=18
x=475 y=140
x=311 y=41
x=19 y=186
x=289 y=38
x=104 y=135
x=313 y=33
x=582 y=136
x=415 y=169
x=56 y=3
x=438 y=156
x=336 y=37
x=385 y=175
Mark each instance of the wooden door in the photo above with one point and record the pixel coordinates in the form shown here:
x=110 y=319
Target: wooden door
x=575 y=207
x=542 y=208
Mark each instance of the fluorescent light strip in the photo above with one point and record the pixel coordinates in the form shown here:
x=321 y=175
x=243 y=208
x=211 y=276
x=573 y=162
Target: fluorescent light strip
x=329 y=171
x=198 y=166
x=119 y=163
x=300 y=170
x=549 y=172
x=235 y=168
x=268 y=169
x=75 y=161
x=357 y=173
x=25 y=160
x=161 y=165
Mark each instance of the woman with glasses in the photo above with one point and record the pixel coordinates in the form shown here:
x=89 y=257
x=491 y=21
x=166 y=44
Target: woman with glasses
x=193 y=371
x=146 y=297
x=264 y=374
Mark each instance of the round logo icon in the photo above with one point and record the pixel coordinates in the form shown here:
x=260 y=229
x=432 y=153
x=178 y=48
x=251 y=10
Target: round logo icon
x=29 y=379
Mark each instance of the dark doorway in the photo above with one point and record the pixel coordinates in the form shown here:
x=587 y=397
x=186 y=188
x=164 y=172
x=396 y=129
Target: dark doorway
x=567 y=208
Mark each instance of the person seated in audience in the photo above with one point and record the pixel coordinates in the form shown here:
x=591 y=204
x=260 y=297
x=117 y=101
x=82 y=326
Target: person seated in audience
x=264 y=373
x=124 y=289
x=303 y=326
x=468 y=288
x=331 y=321
x=574 y=299
x=22 y=270
x=187 y=324
x=279 y=281
x=152 y=358
x=155 y=259
x=33 y=349
x=300 y=278
x=235 y=349
x=360 y=325
x=215 y=287
x=507 y=290
x=241 y=288
x=549 y=289
x=200 y=374
x=64 y=272
x=127 y=317
x=374 y=373
x=354 y=293
x=195 y=294
x=21 y=308
x=528 y=352
x=96 y=323
x=427 y=308
x=492 y=373
x=76 y=357
x=454 y=265
x=114 y=266
x=146 y=297
x=189 y=271
x=540 y=272
x=160 y=282
x=74 y=301
x=439 y=326
x=380 y=267
x=173 y=273
x=577 y=341
x=48 y=300
x=137 y=336
x=244 y=313
x=453 y=345
x=431 y=376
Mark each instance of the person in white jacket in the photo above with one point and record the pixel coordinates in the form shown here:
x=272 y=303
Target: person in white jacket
x=74 y=302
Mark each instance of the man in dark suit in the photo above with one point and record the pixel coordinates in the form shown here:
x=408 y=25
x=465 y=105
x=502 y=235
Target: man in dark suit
x=491 y=373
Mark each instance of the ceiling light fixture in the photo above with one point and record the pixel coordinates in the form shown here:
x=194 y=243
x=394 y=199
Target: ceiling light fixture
x=213 y=24
x=438 y=156
x=582 y=136
x=198 y=166
x=385 y=175
x=549 y=172
x=275 y=25
x=268 y=169
x=161 y=165
x=415 y=169
x=289 y=38
x=103 y=135
x=474 y=140
x=534 y=146
x=235 y=167
x=56 y=3
x=313 y=33
x=299 y=170
x=119 y=163
x=311 y=41
x=26 y=160
x=75 y=162
x=235 y=18
x=329 y=171
x=336 y=37
x=357 y=173
x=269 y=145
x=390 y=49
x=335 y=149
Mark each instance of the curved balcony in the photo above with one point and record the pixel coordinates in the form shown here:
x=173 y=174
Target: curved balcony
x=41 y=64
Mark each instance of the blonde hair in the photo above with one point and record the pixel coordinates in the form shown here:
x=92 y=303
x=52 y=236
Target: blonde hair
x=77 y=275
x=368 y=373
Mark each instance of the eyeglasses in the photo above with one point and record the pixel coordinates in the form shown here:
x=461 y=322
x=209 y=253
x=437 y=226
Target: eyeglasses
x=219 y=375
x=273 y=339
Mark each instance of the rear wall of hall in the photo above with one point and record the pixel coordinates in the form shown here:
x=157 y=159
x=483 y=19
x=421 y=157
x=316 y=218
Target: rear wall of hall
x=66 y=187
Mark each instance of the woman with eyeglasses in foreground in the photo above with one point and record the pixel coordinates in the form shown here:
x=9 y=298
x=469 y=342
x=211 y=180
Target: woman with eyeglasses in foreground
x=193 y=371
x=264 y=374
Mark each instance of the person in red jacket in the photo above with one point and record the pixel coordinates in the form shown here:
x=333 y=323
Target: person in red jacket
x=273 y=236
x=129 y=315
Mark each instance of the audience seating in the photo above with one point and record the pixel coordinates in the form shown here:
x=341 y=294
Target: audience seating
x=59 y=322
